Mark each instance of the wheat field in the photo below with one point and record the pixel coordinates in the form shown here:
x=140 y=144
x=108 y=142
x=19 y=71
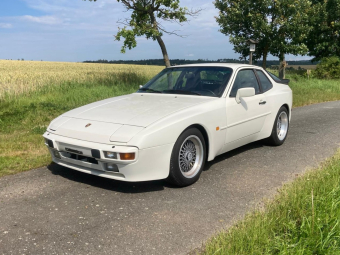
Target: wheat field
x=32 y=93
x=19 y=77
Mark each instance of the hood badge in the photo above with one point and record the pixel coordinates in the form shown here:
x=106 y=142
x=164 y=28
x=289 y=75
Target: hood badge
x=88 y=125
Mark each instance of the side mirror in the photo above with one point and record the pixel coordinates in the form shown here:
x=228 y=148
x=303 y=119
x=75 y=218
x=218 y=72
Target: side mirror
x=140 y=86
x=245 y=92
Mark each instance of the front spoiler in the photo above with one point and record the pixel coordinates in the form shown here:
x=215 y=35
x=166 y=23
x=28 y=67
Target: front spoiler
x=149 y=164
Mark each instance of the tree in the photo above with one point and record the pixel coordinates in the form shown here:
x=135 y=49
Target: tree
x=324 y=39
x=145 y=21
x=238 y=22
x=279 y=26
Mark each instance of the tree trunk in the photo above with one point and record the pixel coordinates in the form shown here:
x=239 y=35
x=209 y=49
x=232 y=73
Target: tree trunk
x=164 y=51
x=160 y=40
x=282 y=67
x=265 y=55
x=264 y=63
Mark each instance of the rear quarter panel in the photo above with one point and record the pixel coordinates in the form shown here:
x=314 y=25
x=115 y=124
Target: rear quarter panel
x=278 y=96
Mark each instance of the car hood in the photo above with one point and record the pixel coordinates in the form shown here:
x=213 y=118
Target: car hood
x=118 y=119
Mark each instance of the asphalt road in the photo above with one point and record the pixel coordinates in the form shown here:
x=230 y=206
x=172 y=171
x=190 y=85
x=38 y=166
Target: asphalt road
x=55 y=210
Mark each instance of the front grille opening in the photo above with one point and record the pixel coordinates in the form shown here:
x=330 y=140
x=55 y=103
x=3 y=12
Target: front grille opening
x=80 y=157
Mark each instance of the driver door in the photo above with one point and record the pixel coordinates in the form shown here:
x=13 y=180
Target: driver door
x=245 y=118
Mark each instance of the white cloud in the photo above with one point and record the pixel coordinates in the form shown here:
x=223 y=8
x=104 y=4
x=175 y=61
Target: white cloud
x=5 y=25
x=190 y=55
x=47 y=20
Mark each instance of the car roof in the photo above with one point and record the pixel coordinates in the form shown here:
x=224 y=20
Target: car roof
x=230 y=65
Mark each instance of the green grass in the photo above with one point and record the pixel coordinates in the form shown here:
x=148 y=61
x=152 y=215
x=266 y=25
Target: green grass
x=306 y=92
x=311 y=91
x=23 y=119
x=304 y=218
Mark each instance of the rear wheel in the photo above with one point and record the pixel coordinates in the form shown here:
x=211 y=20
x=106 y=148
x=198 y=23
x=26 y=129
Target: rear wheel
x=187 y=158
x=280 y=128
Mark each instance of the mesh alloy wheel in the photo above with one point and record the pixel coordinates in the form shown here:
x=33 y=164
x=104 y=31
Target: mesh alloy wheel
x=190 y=156
x=187 y=158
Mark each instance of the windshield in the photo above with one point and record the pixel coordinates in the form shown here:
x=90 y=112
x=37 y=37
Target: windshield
x=205 y=81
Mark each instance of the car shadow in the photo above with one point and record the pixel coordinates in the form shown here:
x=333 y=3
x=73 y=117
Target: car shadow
x=108 y=184
x=232 y=153
x=137 y=187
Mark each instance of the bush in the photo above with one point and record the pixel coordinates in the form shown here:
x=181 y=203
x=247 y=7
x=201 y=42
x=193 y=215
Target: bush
x=328 y=68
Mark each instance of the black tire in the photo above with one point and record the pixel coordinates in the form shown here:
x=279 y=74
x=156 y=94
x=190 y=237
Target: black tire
x=176 y=176
x=274 y=138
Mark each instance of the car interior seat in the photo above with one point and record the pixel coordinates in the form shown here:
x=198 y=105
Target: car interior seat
x=191 y=81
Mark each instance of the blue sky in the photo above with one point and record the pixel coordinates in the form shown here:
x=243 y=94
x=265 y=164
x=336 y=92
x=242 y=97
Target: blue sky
x=74 y=30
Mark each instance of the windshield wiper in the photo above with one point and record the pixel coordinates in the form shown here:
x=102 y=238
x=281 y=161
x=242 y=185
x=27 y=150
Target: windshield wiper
x=179 y=91
x=151 y=90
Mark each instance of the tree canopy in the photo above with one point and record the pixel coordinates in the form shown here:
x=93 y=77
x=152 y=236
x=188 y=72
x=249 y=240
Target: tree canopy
x=146 y=18
x=324 y=39
x=279 y=26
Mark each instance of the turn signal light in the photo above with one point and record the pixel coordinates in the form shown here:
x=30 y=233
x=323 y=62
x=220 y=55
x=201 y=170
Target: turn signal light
x=127 y=156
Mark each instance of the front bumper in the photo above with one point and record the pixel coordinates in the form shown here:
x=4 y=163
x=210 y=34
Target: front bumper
x=149 y=164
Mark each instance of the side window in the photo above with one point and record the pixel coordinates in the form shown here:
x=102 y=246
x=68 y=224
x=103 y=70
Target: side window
x=274 y=77
x=265 y=82
x=245 y=79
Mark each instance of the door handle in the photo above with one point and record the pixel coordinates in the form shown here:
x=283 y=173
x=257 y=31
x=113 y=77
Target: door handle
x=262 y=102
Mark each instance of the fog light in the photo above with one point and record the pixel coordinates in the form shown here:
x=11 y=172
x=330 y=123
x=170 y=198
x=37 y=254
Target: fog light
x=56 y=154
x=127 y=156
x=111 y=167
x=111 y=155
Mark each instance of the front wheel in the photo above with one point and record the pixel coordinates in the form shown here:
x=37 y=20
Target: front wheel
x=187 y=158
x=280 y=128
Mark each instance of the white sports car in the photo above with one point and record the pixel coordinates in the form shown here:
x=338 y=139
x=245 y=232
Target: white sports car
x=181 y=118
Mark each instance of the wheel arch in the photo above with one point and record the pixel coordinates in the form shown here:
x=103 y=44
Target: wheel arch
x=205 y=136
x=288 y=109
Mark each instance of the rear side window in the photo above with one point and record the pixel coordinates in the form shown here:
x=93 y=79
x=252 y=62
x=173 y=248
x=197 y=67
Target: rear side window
x=274 y=77
x=245 y=79
x=265 y=82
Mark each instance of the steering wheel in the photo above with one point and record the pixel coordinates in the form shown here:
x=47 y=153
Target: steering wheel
x=210 y=91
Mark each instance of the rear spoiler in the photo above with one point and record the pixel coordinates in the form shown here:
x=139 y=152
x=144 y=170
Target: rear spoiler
x=284 y=81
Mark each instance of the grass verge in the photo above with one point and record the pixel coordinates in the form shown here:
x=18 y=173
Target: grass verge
x=304 y=218
x=312 y=91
